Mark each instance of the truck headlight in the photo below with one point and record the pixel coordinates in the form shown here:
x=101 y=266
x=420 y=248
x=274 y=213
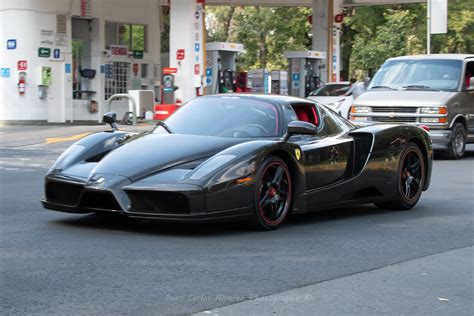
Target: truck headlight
x=428 y=120
x=360 y=109
x=434 y=110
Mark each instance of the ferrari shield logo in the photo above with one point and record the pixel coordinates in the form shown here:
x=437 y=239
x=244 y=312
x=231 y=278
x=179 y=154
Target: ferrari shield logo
x=298 y=153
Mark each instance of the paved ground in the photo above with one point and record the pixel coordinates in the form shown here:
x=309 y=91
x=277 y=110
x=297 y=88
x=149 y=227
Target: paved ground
x=357 y=260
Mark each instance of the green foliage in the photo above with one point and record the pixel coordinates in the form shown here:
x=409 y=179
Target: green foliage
x=375 y=33
x=265 y=32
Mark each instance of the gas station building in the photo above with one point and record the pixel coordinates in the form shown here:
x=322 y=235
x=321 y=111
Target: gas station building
x=61 y=60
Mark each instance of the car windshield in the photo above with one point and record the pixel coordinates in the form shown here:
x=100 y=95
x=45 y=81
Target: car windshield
x=427 y=74
x=331 y=90
x=224 y=116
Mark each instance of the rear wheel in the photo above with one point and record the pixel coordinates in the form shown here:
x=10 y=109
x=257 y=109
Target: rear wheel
x=410 y=179
x=458 y=143
x=273 y=194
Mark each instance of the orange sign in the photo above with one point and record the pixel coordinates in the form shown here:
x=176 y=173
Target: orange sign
x=168 y=71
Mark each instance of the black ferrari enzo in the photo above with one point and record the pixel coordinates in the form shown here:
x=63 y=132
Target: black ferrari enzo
x=255 y=157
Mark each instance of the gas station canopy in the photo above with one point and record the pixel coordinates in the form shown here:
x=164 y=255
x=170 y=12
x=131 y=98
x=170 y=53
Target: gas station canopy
x=304 y=3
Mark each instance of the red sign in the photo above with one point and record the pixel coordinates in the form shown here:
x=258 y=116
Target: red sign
x=180 y=54
x=118 y=50
x=22 y=65
x=168 y=71
x=339 y=18
x=197 y=69
x=135 y=69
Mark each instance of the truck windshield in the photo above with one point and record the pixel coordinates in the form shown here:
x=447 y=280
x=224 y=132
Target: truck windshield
x=419 y=74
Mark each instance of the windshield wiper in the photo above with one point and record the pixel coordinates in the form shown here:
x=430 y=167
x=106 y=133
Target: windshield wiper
x=166 y=127
x=382 y=87
x=419 y=87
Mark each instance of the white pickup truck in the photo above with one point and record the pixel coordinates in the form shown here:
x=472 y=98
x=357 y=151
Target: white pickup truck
x=432 y=90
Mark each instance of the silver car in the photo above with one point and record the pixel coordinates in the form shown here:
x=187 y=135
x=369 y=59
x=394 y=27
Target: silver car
x=432 y=90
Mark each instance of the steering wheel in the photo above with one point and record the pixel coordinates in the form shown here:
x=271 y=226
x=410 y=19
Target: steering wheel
x=238 y=133
x=260 y=127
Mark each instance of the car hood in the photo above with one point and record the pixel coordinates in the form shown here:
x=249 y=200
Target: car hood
x=403 y=98
x=329 y=101
x=151 y=153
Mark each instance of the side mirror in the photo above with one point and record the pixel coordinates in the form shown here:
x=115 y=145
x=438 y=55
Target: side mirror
x=300 y=128
x=366 y=82
x=110 y=118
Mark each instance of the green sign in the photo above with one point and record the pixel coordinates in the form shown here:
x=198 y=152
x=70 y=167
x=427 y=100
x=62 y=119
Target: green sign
x=44 y=52
x=138 y=54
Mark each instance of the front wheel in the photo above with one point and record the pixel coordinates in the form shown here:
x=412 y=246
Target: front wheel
x=458 y=143
x=410 y=179
x=273 y=194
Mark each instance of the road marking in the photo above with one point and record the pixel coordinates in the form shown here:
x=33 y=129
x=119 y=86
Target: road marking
x=54 y=140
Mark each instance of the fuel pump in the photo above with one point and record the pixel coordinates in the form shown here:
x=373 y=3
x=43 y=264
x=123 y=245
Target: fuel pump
x=242 y=82
x=304 y=71
x=167 y=95
x=221 y=76
x=279 y=82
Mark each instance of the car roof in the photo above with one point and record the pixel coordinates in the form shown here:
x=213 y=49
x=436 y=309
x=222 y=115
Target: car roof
x=337 y=82
x=435 y=56
x=266 y=97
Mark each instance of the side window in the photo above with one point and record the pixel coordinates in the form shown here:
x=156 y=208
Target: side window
x=469 y=74
x=330 y=126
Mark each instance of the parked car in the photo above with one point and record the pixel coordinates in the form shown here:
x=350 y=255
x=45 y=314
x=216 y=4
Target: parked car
x=337 y=95
x=235 y=156
x=432 y=90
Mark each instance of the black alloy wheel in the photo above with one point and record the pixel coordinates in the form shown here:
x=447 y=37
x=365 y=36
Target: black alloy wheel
x=410 y=179
x=273 y=194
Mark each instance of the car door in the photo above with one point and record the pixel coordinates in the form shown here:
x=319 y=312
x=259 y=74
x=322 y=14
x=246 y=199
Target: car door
x=327 y=154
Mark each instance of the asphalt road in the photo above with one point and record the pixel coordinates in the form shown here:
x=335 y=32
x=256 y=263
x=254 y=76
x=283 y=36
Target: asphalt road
x=55 y=263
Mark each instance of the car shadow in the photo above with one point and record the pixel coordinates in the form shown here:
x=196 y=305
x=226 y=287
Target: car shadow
x=124 y=224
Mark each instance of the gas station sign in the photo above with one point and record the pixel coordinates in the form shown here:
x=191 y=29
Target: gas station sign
x=22 y=65
x=119 y=50
x=180 y=54
x=168 y=71
x=44 y=52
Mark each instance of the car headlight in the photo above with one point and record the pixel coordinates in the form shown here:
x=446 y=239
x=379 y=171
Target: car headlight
x=211 y=165
x=434 y=110
x=360 y=109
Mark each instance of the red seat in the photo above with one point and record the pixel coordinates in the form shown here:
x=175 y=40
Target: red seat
x=306 y=113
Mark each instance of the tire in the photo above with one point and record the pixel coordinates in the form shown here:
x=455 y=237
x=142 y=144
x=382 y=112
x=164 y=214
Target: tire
x=458 y=144
x=272 y=194
x=411 y=175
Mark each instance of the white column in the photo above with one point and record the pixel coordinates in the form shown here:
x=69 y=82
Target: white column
x=186 y=32
x=320 y=33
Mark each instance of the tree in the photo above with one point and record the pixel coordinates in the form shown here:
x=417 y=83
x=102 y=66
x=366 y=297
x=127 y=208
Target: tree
x=265 y=32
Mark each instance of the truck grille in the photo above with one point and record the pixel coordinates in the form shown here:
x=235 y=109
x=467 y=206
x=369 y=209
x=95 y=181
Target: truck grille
x=394 y=119
x=395 y=109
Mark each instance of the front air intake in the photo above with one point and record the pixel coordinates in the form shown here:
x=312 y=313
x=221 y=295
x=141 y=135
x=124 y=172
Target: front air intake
x=63 y=192
x=158 y=202
x=99 y=200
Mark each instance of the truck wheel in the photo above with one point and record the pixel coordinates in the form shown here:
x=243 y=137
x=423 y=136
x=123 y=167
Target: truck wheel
x=458 y=143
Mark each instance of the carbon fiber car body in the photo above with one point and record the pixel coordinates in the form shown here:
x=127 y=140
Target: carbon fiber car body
x=173 y=177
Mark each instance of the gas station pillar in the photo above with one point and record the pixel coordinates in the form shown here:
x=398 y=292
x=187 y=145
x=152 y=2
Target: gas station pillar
x=186 y=47
x=321 y=29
